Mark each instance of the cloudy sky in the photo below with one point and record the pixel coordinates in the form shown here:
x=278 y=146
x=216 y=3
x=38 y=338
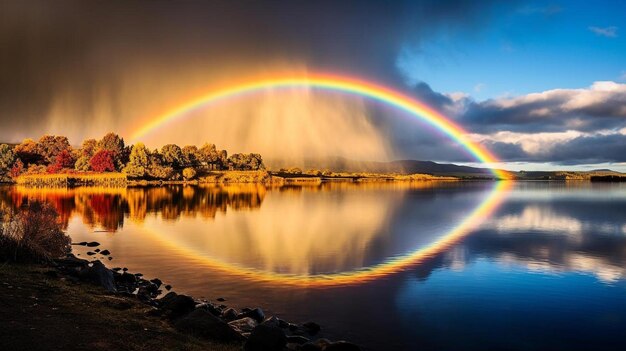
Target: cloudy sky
x=540 y=83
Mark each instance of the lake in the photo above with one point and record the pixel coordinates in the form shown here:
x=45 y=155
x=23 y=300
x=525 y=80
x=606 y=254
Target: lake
x=428 y=266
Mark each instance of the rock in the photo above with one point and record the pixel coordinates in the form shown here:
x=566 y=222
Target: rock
x=292 y=327
x=211 y=308
x=96 y=250
x=174 y=305
x=312 y=327
x=256 y=314
x=221 y=299
x=116 y=269
x=297 y=339
x=110 y=258
x=127 y=279
x=243 y=325
x=229 y=314
x=322 y=343
x=99 y=274
x=168 y=287
x=283 y=324
x=271 y=321
x=91 y=253
x=266 y=338
x=157 y=282
x=342 y=346
x=92 y=244
x=138 y=275
x=203 y=324
x=292 y=346
x=82 y=243
x=105 y=252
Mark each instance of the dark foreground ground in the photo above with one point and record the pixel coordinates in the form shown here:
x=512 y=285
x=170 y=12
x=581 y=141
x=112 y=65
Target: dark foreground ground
x=43 y=312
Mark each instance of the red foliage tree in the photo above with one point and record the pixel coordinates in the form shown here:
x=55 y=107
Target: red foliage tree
x=63 y=160
x=103 y=161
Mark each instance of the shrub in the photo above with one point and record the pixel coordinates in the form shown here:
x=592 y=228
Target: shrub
x=189 y=173
x=32 y=235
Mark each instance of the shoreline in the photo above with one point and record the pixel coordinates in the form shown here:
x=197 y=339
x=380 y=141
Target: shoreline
x=189 y=320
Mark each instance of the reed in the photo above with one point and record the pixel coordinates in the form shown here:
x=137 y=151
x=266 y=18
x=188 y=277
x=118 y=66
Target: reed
x=69 y=180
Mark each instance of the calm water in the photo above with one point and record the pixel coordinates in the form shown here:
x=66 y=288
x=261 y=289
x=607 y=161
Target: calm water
x=465 y=266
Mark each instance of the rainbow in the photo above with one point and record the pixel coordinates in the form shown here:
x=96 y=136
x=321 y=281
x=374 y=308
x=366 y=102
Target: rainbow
x=336 y=83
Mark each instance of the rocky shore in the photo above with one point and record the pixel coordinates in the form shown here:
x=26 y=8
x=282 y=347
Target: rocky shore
x=213 y=321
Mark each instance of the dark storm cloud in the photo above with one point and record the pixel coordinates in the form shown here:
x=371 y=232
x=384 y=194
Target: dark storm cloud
x=84 y=48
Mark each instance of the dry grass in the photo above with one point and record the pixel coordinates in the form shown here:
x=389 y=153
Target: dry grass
x=60 y=180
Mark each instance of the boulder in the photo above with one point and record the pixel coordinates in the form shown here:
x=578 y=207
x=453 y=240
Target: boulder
x=174 y=305
x=99 y=274
x=256 y=314
x=342 y=346
x=266 y=338
x=105 y=252
x=243 y=325
x=203 y=324
x=92 y=244
x=229 y=314
x=157 y=282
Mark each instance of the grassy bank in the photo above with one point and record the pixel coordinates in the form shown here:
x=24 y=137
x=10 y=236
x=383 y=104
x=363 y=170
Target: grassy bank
x=41 y=312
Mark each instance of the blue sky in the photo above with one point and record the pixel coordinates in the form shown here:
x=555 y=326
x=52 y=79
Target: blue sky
x=531 y=47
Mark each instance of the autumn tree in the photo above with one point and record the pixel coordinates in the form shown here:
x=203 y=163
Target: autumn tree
x=215 y=159
x=138 y=161
x=63 y=160
x=103 y=161
x=6 y=158
x=172 y=155
x=28 y=152
x=49 y=146
x=17 y=169
x=86 y=152
x=189 y=173
x=157 y=168
x=191 y=156
x=246 y=162
x=114 y=143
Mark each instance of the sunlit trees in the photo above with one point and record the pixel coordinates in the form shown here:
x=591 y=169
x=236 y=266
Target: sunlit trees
x=6 y=158
x=137 y=162
x=172 y=155
x=86 y=152
x=114 y=143
x=103 y=161
x=191 y=156
x=17 y=169
x=49 y=146
x=28 y=152
x=157 y=168
x=64 y=160
x=189 y=173
x=246 y=162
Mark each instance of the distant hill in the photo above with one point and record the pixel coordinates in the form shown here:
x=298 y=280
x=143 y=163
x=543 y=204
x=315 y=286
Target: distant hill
x=341 y=164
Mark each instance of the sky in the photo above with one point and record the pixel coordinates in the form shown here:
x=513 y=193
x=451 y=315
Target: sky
x=542 y=84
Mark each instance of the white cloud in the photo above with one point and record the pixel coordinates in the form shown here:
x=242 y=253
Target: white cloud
x=609 y=32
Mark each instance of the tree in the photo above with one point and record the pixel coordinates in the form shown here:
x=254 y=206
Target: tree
x=6 y=158
x=215 y=159
x=157 y=169
x=247 y=162
x=103 y=161
x=49 y=146
x=28 y=152
x=89 y=148
x=138 y=161
x=172 y=155
x=63 y=160
x=114 y=143
x=17 y=169
x=191 y=156
x=189 y=173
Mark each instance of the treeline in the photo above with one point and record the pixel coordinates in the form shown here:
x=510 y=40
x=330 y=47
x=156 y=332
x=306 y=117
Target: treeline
x=53 y=154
